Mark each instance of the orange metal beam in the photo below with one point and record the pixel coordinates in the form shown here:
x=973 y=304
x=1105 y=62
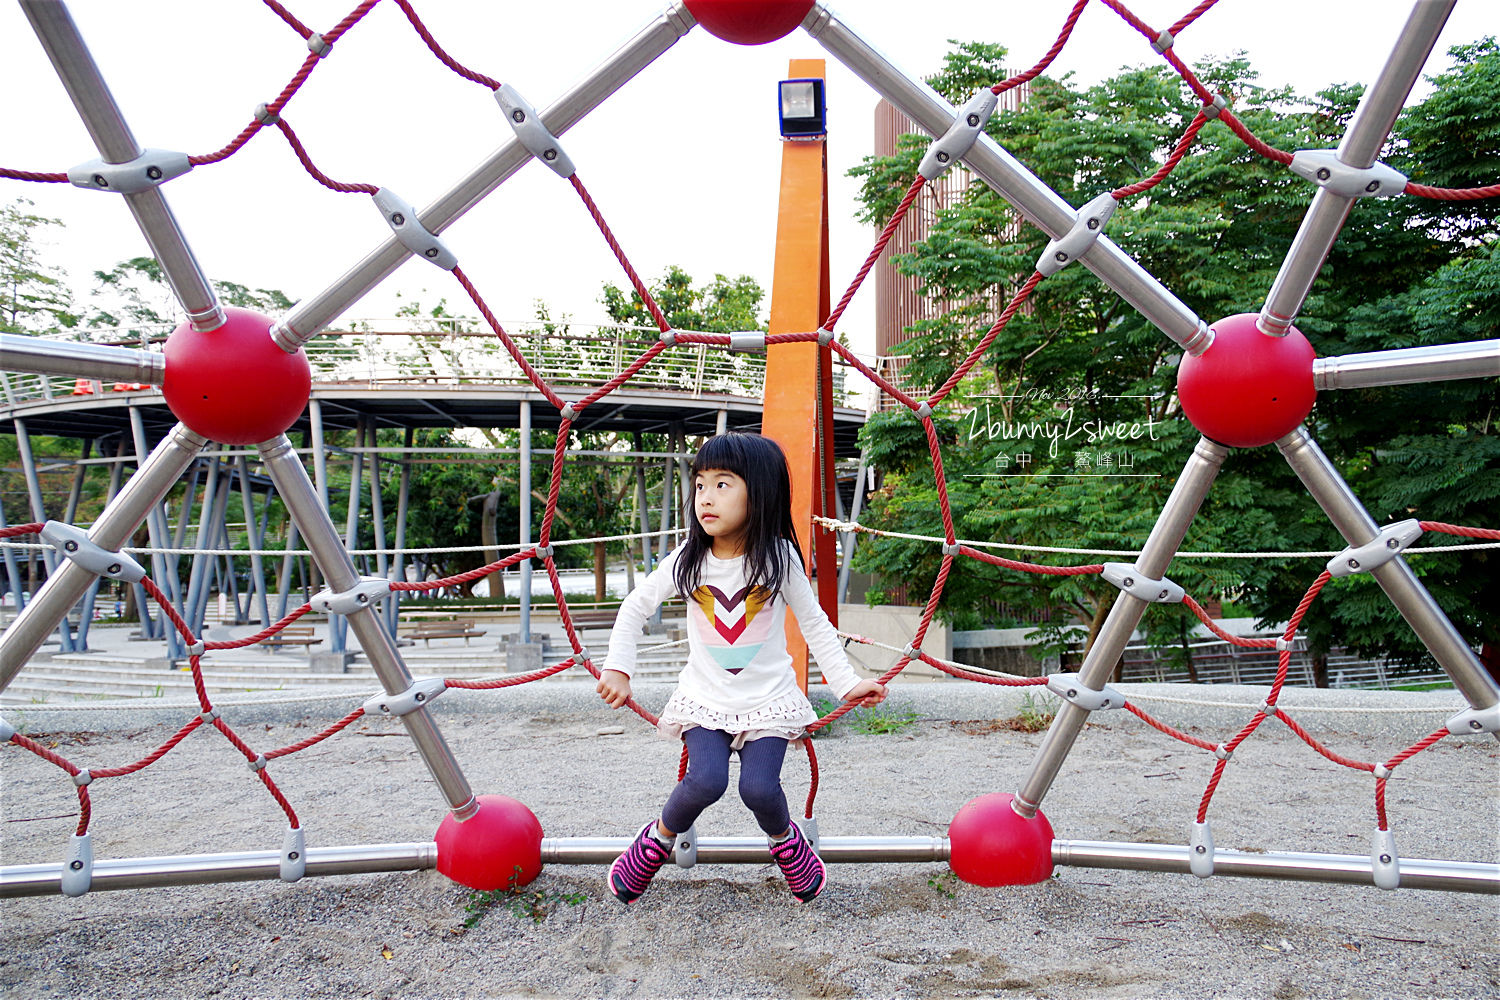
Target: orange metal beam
x=799 y=377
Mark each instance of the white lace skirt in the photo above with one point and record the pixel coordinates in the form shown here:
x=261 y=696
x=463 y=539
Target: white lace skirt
x=787 y=718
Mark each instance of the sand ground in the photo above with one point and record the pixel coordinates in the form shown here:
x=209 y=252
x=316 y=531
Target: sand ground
x=732 y=931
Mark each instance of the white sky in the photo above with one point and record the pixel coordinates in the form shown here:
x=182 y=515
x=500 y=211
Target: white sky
x=683 y=161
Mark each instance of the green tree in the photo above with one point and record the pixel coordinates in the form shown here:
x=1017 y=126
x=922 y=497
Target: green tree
x=34 y=296
x=1215 y=232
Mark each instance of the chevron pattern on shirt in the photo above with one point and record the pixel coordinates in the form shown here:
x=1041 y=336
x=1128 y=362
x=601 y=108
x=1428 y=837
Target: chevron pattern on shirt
x=729 y=615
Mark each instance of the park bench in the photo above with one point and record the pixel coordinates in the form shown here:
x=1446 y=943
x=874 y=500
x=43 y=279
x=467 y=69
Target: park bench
x=292 y=635
x=459 y=628
x=601 y=618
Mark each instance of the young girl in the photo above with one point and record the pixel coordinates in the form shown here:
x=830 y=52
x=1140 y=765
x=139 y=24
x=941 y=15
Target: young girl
x=739 y=569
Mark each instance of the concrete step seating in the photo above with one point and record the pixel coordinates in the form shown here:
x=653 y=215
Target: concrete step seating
x=92 y=676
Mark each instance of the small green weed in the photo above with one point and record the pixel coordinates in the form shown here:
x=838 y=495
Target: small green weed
x=876 y=720
x=1036 y=713
x=535 y=905
x=944 y=884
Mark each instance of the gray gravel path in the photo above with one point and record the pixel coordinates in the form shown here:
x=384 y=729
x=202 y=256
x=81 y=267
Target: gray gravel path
x=732 y=931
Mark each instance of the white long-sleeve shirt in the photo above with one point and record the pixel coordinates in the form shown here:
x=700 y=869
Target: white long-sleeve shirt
x=738 y=662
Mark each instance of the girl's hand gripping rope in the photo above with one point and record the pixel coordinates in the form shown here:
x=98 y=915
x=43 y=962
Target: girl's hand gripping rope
x=613 y=687
x=870 y=692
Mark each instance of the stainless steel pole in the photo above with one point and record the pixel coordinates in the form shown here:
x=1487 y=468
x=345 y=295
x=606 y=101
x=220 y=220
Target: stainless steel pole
x=113 y=529
x=257 y=541
x=1012 y=180
x=1478 y=359
x=65 y=357
x=1353 y=869
x=312 y=315
x=1156 y=555
x=1361 y=145
x=75 y=66
x=332 y=558
x=1395 y=577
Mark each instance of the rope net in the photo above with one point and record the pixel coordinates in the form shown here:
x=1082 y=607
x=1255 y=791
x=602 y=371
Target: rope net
x=272 y=113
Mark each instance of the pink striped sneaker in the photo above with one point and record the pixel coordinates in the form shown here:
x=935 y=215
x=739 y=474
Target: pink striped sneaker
x=802 y=867
x=631 y=873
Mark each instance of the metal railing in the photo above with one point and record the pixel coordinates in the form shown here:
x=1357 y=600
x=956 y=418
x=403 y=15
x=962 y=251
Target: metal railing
x=451 y=352
x=1218 y=662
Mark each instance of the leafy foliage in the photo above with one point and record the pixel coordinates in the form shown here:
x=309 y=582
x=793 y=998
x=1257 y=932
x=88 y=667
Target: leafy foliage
x=1405 y=272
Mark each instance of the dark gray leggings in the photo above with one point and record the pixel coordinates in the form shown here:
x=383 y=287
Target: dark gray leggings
x=708 y=777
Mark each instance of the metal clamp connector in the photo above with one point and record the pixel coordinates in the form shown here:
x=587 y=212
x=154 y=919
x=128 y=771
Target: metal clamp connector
x=74 y=543
x=685 y=847
x=210 y=716
x=923 y=411
x=1267 y=708
x=825 y=337
x=569 y=412
x=1070 y=689
x=198 y=648
x=1201 y=850
x=422 y=691
x=317 y=46
x=153 y=168
x=749 y=342
x=1473 y=721
x=1088 y=226
x=83 y=778
x=1163 y=41
x=1385 y=863
x=258 y=764
x=581 y=656
x=668 y=337
x=1138 y=585
x=1381 y=772
x=293 y=855
x=265 y=115
x=1285 y=645
x=78 y=870
x=1392 y=540
x=961 y=135
x=402 y=219
x=544 y=551
x=536 y=137
x=911 y=652
x=1223 y=752
x=1215 y=107
x=369 y=590
x=950 y=550
x=1325 y=169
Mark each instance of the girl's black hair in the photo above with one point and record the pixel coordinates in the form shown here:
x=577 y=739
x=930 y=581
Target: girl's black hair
x=761 y=463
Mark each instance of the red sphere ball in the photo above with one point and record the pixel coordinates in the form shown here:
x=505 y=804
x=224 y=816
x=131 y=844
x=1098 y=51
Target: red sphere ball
x=1248 y=389
x=992 y=845
x=749 y=22
x=234 y=385
x=498 y=847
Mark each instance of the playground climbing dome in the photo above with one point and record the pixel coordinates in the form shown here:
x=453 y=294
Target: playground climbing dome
x=238 y=377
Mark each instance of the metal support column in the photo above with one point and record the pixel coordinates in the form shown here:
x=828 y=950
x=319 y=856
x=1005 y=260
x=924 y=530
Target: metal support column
x=856 y=508
x=50 y=558
x=377 y=520
x=524 y=489
x=154 y=626
x=338 y=570
x=202 y=566
x=1156 y=555
x=255 y=539
x=1395 y=577
x=398 y=565
x=112 y=530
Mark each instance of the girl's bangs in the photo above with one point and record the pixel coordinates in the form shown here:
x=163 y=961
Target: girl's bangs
x=723 y=453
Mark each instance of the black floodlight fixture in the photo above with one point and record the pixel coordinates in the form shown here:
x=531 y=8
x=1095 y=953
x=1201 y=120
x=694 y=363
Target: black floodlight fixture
x=803 y=113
